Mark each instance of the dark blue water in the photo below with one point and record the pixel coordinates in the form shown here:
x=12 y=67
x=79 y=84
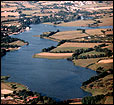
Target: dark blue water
x=58 y=79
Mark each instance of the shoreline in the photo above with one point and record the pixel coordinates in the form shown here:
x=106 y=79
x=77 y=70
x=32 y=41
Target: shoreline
x=80 y=66
x=72 y=15
x=100 y=60
x=6 y=89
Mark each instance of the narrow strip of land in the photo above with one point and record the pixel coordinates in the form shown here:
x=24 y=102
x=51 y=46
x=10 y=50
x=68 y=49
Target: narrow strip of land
x=53 y=55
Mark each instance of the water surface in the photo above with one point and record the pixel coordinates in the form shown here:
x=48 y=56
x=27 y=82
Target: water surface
x=58 y=79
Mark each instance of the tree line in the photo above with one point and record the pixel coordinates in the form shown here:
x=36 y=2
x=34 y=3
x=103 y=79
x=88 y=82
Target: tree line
x=49 y=34
x=94 y=78
x=24 y=94
x=92 y=99
x=106 y=52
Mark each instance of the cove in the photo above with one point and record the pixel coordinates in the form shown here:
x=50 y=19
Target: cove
x=58 y=79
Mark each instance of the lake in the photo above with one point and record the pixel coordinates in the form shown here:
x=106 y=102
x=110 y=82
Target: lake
x=58 y=79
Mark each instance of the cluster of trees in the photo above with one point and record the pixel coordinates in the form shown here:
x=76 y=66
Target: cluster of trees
x=90 y=41
x=3 y=52
x=5 y=40
x=96 y=23
x=102 y=45
x=49 y=34
x=63 y=51
x=60 y=16
x=101 y=75
x=91 y=56
x=6 y=46
x=61 y=42
x=8 y=39
x=83 y=30
x=80 y=51
x=23 y=94
x=105 y=50
x=92 y=99
x=52 y=47
x=9 y=46
x=48 y=49
x=5 y=77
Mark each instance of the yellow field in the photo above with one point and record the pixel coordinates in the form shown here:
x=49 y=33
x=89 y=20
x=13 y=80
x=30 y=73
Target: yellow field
x=86 y=45
x=95 y=31
x=13 y=23
x=106 y=21
x=53 y=55
x=30 y=12
x=110 y=46
x=68 y=35
x=85 y=62
x=82 y=23
x=106 y=61
x=19 y=43
x=9 y=13
x=8 y=9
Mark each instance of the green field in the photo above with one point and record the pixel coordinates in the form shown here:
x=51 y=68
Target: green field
x=66 y=49
x=91 y=53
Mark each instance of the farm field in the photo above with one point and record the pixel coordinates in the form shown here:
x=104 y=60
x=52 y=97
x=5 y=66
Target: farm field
x=71 y=47
x=105 y=66
x=81 y=45
x=85 y=62
x=82 y=23
x=93 y=64
x=92 y=35
x=110 y=47
x=106 y=21
x=66 y=49
x=53 y=55
x=94 y=31
x=13 y=23
x=68 y=35
x=106 y=61
x=78 y=35
x=91 y=53
x=8 y=18
x=19 y=43
x=9 y=13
